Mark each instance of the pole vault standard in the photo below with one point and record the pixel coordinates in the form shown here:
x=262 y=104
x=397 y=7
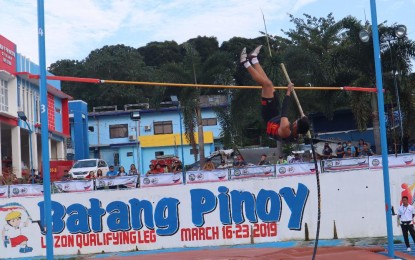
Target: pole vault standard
x=383 y=141
x=187 y=85
x=47 y=221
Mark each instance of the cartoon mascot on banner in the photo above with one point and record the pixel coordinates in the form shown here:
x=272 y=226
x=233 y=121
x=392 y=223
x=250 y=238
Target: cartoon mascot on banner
x=12 y=232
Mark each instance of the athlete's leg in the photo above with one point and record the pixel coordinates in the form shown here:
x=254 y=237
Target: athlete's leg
x=258 y=74
x=253 y=58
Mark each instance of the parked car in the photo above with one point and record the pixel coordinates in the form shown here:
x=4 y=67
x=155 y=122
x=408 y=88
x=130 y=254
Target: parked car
x=82 y=168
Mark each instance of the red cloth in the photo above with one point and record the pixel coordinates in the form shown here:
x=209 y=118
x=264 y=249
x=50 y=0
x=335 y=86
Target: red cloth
x=15 y=241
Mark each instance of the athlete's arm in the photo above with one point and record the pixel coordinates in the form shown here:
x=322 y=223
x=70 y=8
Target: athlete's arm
x=284 y=131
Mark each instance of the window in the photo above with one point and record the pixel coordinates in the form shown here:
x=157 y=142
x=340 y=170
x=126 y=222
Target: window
x=159 y=153
x=91 y=129
x=102 y=164
x=129 y=154
x=163 y=127
x=118 y=131
x=209 y=121
x=116 y=159
x=192 y=151
x=4 y=96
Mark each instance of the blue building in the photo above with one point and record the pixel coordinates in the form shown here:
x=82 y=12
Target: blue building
x=121 y=141
x=77 y=147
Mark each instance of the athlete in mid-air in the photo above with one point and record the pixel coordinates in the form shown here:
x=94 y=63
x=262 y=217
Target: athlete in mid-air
x=278 y=125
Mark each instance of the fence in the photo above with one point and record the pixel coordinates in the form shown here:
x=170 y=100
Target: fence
x=217 y=175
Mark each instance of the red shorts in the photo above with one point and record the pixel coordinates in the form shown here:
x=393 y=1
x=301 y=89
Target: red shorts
x=15 y=241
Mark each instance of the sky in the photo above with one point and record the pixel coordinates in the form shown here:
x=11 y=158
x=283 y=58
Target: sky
x=74 y=28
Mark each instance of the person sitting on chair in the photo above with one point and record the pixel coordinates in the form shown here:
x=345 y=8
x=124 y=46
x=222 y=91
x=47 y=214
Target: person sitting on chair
x=278 y=125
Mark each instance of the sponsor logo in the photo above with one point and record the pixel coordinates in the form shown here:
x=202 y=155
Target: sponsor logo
x=154 y=180
x=192 y=177
x=222 y=176
x=337 y=163
x=146 y=181
x=361 y=162
x=408 y=159
x=291 y=169
x=200 y=176
x=329 y=164
x=16 y=191
x=282 y=170
x=375 y=162
x=176 y=178
x=237 y=172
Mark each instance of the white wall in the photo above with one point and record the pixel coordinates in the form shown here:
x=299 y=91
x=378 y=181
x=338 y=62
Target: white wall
x=354 y=200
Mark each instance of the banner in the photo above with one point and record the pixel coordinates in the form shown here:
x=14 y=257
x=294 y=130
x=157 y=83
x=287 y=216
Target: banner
x=207 y=176
x=74 y=185
x=24 y=190
x=244 y=211
x=250 y=172
x=295 y=169
x=4 y=191
x=128 y=181
x=163 y=179
x=402 y=160
x=334 y=165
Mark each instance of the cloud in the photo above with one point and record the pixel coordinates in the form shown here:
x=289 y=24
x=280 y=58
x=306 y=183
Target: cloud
x=76 y=27
x=301 y=3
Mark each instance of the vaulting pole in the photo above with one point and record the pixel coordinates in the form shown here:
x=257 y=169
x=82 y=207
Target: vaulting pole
x=383 y=141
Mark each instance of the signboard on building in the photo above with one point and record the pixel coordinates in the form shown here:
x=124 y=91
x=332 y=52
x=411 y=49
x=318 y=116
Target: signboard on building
x=7 y=55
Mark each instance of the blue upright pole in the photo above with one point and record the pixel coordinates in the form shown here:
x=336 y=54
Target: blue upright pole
x=383 y=142
x=44 y=130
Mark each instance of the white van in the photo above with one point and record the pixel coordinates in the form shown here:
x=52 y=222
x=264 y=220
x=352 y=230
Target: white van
x=82 y=168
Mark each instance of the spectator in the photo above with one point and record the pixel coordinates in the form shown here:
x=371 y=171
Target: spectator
x=352 y=148
x=152 y=170
x=66 y=176
x=37 y=178
x=281 y=160
x=159 y=169
x=327 y=151
x=366 y=151
x=121 y=171
x=208 y=165
x=222 y=164
x=412 y=147
x=339 y=150
x=240 y=162
x=263 y=160
x=90 y=176
x=133 y=170
x=111 y=172
x=14 y=179
x=296 y=159
x=177 y=167
x=99 y=174
x=348 y=153
x=360 y=146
